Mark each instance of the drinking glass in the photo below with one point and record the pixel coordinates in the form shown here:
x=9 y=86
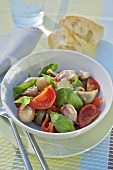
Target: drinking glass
x=27 y=13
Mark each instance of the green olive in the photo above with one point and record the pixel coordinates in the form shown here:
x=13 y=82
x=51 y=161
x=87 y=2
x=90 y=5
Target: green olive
x=39 y=116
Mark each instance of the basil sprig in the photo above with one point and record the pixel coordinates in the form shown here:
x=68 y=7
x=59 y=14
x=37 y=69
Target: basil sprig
x=67 y=96
x=52 y=66
x=25 y=100
x=21 y=88
x=76 y=83
x=49 y=79
x=61 y=123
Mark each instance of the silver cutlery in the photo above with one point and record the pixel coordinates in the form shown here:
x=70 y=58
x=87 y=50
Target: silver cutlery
x=21 y=146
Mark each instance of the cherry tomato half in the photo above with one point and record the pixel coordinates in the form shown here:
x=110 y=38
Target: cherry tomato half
x=47 y=125
x=87 y=114
x=45 y=99
x=92 y=84
x=97 y=101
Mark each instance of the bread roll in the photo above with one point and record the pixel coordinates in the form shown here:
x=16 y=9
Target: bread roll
x=83 y=28
x=58 y=40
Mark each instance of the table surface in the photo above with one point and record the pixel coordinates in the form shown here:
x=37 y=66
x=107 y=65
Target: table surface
x=101 y=156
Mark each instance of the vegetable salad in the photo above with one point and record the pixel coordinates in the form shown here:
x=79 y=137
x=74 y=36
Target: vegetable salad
x=58 y=102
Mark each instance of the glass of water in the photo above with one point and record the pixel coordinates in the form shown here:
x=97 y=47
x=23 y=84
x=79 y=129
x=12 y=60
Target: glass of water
x=27 y=13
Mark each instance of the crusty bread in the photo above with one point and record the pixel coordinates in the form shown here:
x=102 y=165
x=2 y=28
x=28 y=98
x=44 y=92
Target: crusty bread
x=83 y=29
x=58 y=40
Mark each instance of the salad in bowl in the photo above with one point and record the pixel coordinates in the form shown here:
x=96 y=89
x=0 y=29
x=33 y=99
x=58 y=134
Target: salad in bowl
x=57 y=94
x=58 y=102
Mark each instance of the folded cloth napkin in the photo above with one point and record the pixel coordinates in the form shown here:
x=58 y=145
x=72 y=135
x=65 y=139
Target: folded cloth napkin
x=17 y=44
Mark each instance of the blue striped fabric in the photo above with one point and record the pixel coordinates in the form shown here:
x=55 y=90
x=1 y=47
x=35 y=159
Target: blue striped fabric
x=104 y=53
x=62 y=12
x=95 y=159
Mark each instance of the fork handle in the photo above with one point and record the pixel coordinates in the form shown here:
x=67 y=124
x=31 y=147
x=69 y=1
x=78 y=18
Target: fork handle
x=37 y=151
x=21 y=147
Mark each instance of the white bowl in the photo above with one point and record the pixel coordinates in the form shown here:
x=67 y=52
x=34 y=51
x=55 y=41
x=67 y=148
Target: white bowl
x=66 y=60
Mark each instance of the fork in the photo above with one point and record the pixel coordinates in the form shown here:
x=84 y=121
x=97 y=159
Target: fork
x=21 y=146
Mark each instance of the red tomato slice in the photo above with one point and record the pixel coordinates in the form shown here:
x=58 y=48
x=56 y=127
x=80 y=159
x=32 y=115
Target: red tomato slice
x=92 y=84
x=87 y=114
x=47 y=125
x=45 y=99
x=97 y=101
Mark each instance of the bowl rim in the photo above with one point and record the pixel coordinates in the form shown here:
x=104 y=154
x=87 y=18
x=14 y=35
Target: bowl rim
x=57 y=135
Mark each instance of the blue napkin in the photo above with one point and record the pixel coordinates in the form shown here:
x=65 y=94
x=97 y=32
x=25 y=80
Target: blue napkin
x=17 y=44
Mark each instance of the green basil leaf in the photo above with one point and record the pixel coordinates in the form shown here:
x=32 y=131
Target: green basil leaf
x=20 y=89
x=25 y=100
x=61 y=123
x=49 y=79
x=52 y=66
x=67 y=96
x=76 y=83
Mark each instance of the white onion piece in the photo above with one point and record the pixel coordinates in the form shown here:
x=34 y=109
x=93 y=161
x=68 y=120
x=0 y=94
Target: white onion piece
x=68 y=74
x=87 y=97
x=29 y=79
x=41 y=83
x=84 y=75
x=31 y=91
x=26 y=115
x=69 y=111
